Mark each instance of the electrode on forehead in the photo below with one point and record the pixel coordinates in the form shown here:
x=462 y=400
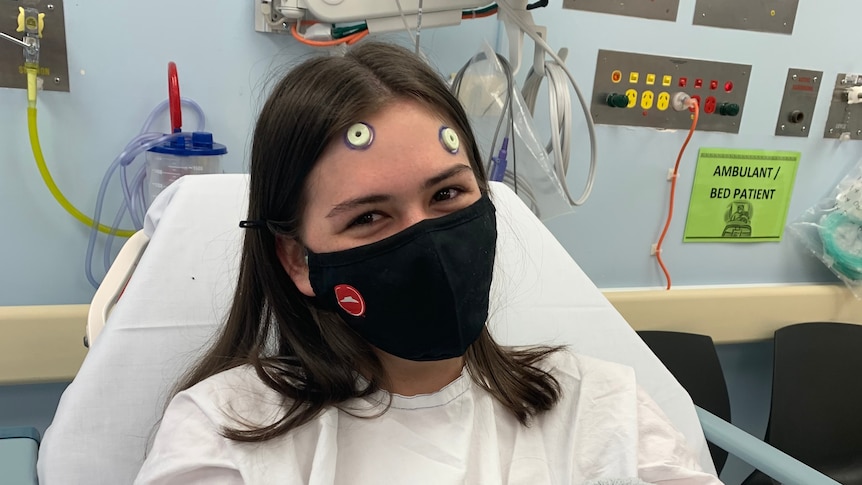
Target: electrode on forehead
x=449 y=139
x=359 y=136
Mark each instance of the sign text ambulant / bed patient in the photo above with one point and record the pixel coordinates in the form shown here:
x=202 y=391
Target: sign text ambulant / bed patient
x=740 y=195
x=737 y=193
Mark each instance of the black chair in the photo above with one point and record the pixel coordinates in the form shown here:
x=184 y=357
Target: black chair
x=692 y=360
x=816 y=411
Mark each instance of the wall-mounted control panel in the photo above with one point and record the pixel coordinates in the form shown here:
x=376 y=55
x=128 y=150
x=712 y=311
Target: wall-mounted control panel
x=773 y=16
x=53 y=63
x=797 y=105
x=648 y=9
x=637 y=90
x=845 y=111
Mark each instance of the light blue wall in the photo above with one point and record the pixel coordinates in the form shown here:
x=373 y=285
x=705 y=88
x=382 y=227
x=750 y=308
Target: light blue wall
x=30 y=405
x=118 y=55
x=118 y=52
x=117 y=72
x=748 y=372
x=611 y=236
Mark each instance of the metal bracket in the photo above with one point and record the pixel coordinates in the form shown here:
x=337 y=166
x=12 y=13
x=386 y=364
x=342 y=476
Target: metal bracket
x=53 y=62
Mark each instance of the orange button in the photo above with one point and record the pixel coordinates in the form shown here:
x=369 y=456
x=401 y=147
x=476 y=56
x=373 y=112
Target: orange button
x=616 y=76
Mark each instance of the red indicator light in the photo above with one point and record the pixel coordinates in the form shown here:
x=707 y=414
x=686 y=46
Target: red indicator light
x=713 y=84
x=698 y=83
x=728 y=86
x=683 y=82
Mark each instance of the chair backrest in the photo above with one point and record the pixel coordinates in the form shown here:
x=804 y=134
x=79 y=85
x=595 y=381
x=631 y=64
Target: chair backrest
x=816 y=412
x=693 y=361
x=182 y=286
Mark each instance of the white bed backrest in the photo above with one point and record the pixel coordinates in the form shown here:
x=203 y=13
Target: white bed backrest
x=183 y=285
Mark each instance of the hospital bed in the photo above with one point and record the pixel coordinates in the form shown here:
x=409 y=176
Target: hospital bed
x=170 y=288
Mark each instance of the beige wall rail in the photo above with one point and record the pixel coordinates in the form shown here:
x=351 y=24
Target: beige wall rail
x=41 y=343
x=45 y=343
x=735 y=314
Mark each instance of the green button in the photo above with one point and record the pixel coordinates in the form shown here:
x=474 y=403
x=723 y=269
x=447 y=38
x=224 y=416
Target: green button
x=728 y=109
x=616 y=100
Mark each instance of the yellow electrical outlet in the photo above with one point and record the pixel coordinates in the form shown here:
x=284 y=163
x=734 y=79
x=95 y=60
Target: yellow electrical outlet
x=663 y=101
x=647 y=99
x=633 y=98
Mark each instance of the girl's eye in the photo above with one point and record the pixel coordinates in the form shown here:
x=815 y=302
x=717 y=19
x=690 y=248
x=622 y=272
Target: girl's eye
x=446 y=194
x=365 y=219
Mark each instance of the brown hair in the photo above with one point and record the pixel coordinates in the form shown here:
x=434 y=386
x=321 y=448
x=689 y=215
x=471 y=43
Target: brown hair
x=309 y=355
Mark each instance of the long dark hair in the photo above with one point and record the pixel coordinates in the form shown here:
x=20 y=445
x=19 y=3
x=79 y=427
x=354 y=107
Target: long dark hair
x=310 y=356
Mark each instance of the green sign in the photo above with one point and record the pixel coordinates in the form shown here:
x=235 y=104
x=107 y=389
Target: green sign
x=740 y=195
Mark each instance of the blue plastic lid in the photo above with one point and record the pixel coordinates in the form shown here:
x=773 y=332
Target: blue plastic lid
x=194 y=144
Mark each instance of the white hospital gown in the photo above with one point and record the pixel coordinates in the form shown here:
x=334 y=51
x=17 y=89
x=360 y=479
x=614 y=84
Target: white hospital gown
x=604 y=426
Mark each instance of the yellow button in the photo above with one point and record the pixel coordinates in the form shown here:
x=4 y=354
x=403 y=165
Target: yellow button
x=633 y=98
x=666 y=80
x=647 y=99
x=650 y=79
x=633 y=77
x=617 y=76
x=663 y=101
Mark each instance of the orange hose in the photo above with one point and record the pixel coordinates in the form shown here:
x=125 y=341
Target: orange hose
x=673 y=190
x=350 y=39
x=354 y=38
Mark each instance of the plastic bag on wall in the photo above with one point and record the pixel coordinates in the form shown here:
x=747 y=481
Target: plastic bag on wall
x=832 y=230
x=503 y=126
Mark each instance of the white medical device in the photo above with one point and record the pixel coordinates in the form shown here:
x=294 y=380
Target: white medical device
x=380 y=15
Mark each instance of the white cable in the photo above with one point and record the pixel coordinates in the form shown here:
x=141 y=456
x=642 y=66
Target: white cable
x=562 y=117
x=559 y=111
x=591 y=129
x=404 y=19
x=418 y=26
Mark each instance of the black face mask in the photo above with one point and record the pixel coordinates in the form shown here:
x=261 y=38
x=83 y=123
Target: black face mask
x=421 y=294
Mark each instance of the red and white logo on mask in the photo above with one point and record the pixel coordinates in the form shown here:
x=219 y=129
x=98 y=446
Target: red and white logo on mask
x=350 y=300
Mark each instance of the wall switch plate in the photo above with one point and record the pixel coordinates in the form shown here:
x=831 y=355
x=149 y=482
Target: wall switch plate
x=798 y=103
